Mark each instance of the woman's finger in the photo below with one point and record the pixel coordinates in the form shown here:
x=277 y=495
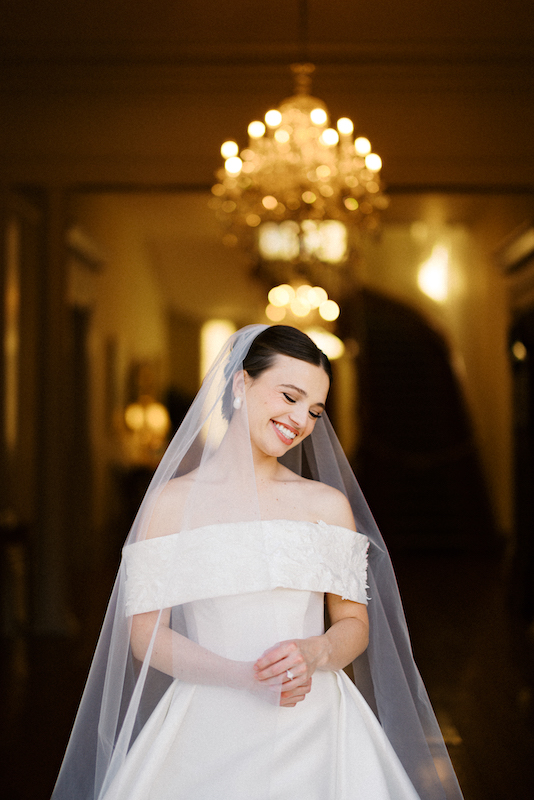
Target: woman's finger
x=275 y=655
x=294 y=696
x=285 y=670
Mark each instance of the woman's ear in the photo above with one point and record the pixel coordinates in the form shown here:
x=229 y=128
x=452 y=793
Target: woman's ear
x=239 y=384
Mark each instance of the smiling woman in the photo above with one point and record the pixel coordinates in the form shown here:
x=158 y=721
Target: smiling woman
x=287 y=399
x=215 y=677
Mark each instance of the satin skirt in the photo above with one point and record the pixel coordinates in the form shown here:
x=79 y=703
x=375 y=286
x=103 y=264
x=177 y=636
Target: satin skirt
x=213 y=743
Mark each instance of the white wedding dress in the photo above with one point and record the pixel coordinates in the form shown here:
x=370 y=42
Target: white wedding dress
x=214 y=743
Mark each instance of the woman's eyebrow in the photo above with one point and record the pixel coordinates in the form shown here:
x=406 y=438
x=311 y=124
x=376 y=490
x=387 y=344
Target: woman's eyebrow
x=300 y=391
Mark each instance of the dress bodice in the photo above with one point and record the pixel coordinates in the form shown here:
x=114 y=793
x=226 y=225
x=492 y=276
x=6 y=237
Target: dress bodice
x=243 y=626
x=231 y=559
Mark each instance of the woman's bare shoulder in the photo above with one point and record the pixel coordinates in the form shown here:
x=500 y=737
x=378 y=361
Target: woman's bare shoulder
x=334 y=507
x=325 y=503
x=168 y=506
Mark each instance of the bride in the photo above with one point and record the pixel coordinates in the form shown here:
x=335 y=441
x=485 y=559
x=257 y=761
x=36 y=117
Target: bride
x=214 y=677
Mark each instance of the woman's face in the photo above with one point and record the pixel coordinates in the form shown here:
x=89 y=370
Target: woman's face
x=284 y=403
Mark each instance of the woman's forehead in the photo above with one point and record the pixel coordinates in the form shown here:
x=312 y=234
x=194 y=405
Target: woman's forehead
x=300 y=374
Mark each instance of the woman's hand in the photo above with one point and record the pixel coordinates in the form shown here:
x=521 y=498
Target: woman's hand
x=301 y=657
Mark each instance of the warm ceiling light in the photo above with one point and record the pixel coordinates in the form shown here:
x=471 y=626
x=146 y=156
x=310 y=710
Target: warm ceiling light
x=297 y=171
x=273 y=118
x=233 y=165
x=345 y=126
x=229 y=149
x=373 y=162
x=281 y=295
x=329 y=310
x=256 y=129
x=318 y=116
x=433 y=275
x=329 y=137
x=326 y=341
x=362 y=146
x=281 y=136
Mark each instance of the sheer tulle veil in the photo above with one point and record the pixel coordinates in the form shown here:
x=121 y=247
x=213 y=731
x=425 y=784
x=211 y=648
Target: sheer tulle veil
x=207 y=473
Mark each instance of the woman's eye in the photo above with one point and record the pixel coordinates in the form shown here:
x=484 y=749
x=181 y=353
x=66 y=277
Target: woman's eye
x=289 y=398
x=315 y=416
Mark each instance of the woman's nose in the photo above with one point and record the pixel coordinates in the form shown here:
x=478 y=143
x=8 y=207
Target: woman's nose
x=298 y=415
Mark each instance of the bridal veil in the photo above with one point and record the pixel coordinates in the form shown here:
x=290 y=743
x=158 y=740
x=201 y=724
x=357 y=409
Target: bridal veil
x=218 y=489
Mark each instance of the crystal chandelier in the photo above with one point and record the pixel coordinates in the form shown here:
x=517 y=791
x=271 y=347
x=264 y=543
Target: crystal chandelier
x=297 y=193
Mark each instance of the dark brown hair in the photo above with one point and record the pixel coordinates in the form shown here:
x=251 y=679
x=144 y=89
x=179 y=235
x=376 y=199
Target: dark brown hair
x=286 y=341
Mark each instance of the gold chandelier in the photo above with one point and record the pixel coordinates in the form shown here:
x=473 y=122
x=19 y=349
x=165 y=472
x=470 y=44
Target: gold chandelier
x=295 y=194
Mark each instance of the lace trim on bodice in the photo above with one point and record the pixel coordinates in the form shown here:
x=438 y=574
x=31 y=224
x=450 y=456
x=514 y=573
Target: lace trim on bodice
x=237 y=558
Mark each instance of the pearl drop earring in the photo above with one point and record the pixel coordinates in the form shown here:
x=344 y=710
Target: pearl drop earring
x=237 y=403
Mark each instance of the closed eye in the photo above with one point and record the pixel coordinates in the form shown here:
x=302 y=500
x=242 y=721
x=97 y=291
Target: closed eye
x=292 y=400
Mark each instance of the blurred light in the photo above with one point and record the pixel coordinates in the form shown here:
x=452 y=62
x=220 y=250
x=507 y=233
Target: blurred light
x=281 y=295
x=345 y=126
x=329 y=310
x=325 y=240
x=275 y=313
x=256 y=129
x=433 y=276
x=329 y=137
x=157 y=419
x=233 y=165
x=318 y=116
x=373 y=162
x=331 y=345
x=300 y=307
x=301 y=301
x=362 y=146
x=273 y=118
x=151 y=417
x=213 y=335
x=269 y=201
x=519 y=351
x=134 y=416
x=279 y=240
x=281 y=136
x=229 y=149
x=253 y=220
x=316 y=296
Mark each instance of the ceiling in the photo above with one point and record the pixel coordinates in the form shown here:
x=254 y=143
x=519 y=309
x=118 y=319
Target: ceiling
x=120 y=95
x=275 y=31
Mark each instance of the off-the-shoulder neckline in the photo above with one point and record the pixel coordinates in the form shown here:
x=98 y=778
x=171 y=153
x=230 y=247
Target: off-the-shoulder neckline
x=319 y=523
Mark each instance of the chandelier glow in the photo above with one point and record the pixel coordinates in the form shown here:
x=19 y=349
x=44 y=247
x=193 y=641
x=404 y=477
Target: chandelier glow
x=298 y=170
x=300 y=302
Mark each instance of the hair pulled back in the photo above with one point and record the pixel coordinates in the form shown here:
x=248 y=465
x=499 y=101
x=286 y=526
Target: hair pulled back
x=273 y=341
x=285 y=341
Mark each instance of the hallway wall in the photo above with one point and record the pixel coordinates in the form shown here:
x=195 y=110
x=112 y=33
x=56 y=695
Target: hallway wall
x=128 y=327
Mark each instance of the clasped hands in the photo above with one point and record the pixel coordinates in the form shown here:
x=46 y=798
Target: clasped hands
x=301 y=657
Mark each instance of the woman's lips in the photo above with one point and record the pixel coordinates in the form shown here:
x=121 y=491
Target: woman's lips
x=284 y=432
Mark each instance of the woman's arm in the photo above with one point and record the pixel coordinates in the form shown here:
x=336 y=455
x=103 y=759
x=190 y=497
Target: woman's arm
x=179 y=657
